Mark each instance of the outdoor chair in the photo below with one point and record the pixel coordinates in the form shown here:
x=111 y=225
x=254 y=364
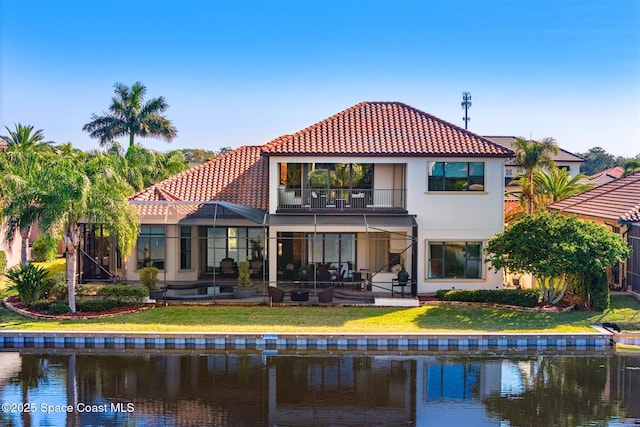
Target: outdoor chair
x=276 y=294
x=326 y=295
x=256 y=267
x=227 y=267
x=324 y=276
x=399 y=283
x=357 y=280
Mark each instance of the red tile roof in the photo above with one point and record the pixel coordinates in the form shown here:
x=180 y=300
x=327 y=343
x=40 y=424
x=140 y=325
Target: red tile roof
x=236 y=177
x=617 y=200
x=368 y=128
x=387 y=128
x=614 y=172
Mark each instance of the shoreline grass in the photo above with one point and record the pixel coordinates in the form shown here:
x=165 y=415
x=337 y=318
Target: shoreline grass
x=625 y=312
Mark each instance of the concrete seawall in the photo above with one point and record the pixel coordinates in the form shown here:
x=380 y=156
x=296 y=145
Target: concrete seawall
x=599 y=339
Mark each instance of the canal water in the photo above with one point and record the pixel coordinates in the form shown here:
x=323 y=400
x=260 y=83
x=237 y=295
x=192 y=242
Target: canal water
x=80 y=388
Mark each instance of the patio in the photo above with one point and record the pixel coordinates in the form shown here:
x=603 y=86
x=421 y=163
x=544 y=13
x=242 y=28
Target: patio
x=293 y=293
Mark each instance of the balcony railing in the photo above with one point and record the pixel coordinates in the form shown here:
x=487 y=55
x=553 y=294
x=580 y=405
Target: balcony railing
x=339 y=199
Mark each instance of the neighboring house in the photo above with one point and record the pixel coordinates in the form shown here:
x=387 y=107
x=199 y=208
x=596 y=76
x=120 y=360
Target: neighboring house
x=11 y=249
x=563 y=160
x=605 y=176
x=615 y=205
x=353 y=198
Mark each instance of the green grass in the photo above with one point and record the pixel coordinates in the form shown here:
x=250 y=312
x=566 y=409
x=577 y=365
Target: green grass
x=625 y=311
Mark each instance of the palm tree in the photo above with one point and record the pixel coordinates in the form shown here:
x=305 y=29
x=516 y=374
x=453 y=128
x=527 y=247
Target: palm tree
x=533 y=155
x=130 y=115
x=24 y=139
x=88 y=190
x=22 y=195
x=25 y=171
x=557 y=184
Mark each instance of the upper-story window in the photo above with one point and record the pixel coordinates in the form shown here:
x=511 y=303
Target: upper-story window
x=326 y=175
x=456 y=176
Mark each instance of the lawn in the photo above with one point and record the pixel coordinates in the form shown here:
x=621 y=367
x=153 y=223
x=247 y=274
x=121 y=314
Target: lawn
x=625 y=311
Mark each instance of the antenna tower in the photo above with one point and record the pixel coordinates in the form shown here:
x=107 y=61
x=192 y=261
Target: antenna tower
x=466 y=104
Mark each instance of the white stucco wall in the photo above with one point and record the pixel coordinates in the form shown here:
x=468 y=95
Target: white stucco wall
x=455 y=216
x=441 y=216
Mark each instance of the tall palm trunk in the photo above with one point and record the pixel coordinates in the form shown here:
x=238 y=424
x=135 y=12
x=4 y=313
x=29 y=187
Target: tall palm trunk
x=530 y=192
x=25 y=234
x=71 y=237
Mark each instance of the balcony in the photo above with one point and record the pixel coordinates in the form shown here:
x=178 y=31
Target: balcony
x=338 y=200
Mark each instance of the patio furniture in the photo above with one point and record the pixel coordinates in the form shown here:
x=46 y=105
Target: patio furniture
x=326 y=295
x=227 y=267
x=318 y=201
x=275 y=294
x=299 y=295
x=324 y=275
x=256 y=267
x=357 y=281
x=357 y=201
x=399 y=283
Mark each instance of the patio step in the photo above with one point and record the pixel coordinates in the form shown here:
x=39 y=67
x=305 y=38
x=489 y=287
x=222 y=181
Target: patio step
x=396 y=302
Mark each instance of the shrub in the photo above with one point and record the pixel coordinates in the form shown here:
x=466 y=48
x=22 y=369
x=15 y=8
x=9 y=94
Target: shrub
x=599 y=291
x=593 y=289
x=517 y=297
x=124 y=294
x=29 y=281
x=58 y=308
x=87 y=290
x=149 y=277
x=244 y=276
x=58 y=289
x=40 y=305
x=45 y=248
x=441 y=293
x=51 y=307
x=3 y=262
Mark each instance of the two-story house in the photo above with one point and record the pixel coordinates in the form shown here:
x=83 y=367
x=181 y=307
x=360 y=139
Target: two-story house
x=563 y=160
x=353 y=199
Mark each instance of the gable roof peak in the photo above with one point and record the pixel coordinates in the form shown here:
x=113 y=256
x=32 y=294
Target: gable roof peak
x=385 y=128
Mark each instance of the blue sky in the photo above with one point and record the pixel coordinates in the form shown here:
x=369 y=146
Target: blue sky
x=245 y=72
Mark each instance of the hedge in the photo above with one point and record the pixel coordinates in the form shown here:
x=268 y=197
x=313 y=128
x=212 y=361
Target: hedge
x=45 y=248
x=87 y=306
x=124 y=293
x=517 y=297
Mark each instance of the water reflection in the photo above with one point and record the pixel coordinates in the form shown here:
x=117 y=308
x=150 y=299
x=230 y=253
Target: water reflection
x=153 y=389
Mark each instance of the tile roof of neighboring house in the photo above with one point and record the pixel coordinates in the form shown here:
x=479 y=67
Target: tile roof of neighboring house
x=617 y=200
x=236 y=177
x=509 y=141
x=3 y=145
x=385 y=128
x=606 y=176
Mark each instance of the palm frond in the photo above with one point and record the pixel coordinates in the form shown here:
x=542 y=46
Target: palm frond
x=130 y=115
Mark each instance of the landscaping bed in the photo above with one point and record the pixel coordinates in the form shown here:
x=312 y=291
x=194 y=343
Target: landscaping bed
x=14 y=304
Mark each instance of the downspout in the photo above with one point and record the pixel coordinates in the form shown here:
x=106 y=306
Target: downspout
x=414 y=258
x=265 y=245
x=215 y=218
x=313 y=254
